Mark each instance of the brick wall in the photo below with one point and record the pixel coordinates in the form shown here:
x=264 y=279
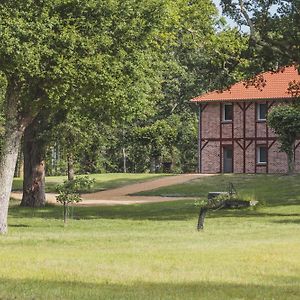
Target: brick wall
x=216 y=134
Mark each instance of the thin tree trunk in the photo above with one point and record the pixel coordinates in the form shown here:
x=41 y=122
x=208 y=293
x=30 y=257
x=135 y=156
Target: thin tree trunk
x=20 y=164
x=124 y=160
x=34 y=167
x=152 y=165
x=291 y=162
x=71 y=172
x=65 y=212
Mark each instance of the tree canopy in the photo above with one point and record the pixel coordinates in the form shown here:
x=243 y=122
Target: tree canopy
x=114 y=60
x=274 y=38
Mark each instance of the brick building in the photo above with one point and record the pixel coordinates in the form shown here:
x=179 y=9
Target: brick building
x=233 y=133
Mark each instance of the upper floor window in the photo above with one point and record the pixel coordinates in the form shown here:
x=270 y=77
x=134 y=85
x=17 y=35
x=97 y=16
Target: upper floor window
x=227 y=112
x=262 y=155
x=262 y=111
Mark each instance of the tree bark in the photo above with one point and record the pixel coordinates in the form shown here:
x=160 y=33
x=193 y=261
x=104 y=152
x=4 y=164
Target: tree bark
x=14 y=128
x=201 y=218
x=34 y=166
x=20 y=164
x=71 y=172
x=8 y=162
x=124 y=160
x=291 y=162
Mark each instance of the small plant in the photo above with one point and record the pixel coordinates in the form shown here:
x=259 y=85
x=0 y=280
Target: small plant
x=69 y=192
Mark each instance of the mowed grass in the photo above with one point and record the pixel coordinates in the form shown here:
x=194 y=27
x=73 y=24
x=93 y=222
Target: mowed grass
x=273 y=189
x=153 y=251
x=102 y=181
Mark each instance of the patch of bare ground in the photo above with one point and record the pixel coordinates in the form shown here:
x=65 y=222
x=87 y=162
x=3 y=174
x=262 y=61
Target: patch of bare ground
x=122 y=195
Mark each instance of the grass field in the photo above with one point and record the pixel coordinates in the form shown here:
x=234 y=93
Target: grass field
x=272 y=189
x=153 y=251
x=102 y=181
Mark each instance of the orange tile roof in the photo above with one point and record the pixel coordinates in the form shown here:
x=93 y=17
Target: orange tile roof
x=282 y=84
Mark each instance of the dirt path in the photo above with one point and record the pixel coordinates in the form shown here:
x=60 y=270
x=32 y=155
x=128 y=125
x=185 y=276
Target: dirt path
x=121 y=195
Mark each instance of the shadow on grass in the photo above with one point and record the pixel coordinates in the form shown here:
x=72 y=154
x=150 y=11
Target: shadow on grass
x=167 y=211
x=179 y=210
x=19 y=225
x=46 y=289
x=288 y=221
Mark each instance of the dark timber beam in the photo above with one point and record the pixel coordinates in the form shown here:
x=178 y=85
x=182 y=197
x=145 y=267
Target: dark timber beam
x=199 y=138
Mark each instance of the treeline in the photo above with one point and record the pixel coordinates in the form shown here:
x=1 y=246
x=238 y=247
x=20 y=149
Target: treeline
x=154 y=58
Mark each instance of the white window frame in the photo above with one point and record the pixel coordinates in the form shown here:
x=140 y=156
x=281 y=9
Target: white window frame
x=223 y=114
x=258 y=158
x=258 y=112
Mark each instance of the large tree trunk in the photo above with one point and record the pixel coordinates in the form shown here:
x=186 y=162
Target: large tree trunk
x=34 y=166
x=8 y=162
x=14 y=129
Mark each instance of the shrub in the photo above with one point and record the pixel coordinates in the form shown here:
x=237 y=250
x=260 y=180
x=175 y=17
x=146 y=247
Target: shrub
x=69 y=192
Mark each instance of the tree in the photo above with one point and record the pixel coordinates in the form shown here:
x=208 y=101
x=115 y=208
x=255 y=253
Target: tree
x=274 y=31
x=34 y=162
x=38 y=51
x=141 y=66
x=35 y=141
x=285 y=120
x=75 y=135
x=69 y=192
x=52 y=53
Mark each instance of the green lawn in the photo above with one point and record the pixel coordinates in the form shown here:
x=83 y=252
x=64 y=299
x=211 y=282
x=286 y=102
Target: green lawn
x=276 y=189
x=153 y=251
x=103 y=181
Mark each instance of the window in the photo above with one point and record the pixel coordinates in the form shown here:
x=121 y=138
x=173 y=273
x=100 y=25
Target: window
x=227 y=112
x=262 y=111
x=262 y=154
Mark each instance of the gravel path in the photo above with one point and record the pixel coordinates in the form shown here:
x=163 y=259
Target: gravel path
x=121 y=195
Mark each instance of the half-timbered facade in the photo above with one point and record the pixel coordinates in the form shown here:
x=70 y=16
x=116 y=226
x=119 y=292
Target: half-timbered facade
x=234 y=136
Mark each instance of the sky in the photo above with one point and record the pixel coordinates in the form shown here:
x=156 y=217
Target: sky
x=230 y=21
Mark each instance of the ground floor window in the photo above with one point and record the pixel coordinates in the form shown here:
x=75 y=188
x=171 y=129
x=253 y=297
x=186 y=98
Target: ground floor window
x=262 y=155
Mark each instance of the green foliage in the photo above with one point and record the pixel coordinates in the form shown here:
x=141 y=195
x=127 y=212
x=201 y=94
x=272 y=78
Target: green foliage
x=69 y=192
x=285 y=120
x=274 y=30
x=214 y=202
x=121 y=66
x=75 y=186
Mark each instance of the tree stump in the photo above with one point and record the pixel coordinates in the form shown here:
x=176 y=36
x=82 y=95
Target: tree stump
x=212 y=204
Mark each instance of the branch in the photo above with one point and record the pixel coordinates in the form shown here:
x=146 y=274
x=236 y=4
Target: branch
x=245 y=14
